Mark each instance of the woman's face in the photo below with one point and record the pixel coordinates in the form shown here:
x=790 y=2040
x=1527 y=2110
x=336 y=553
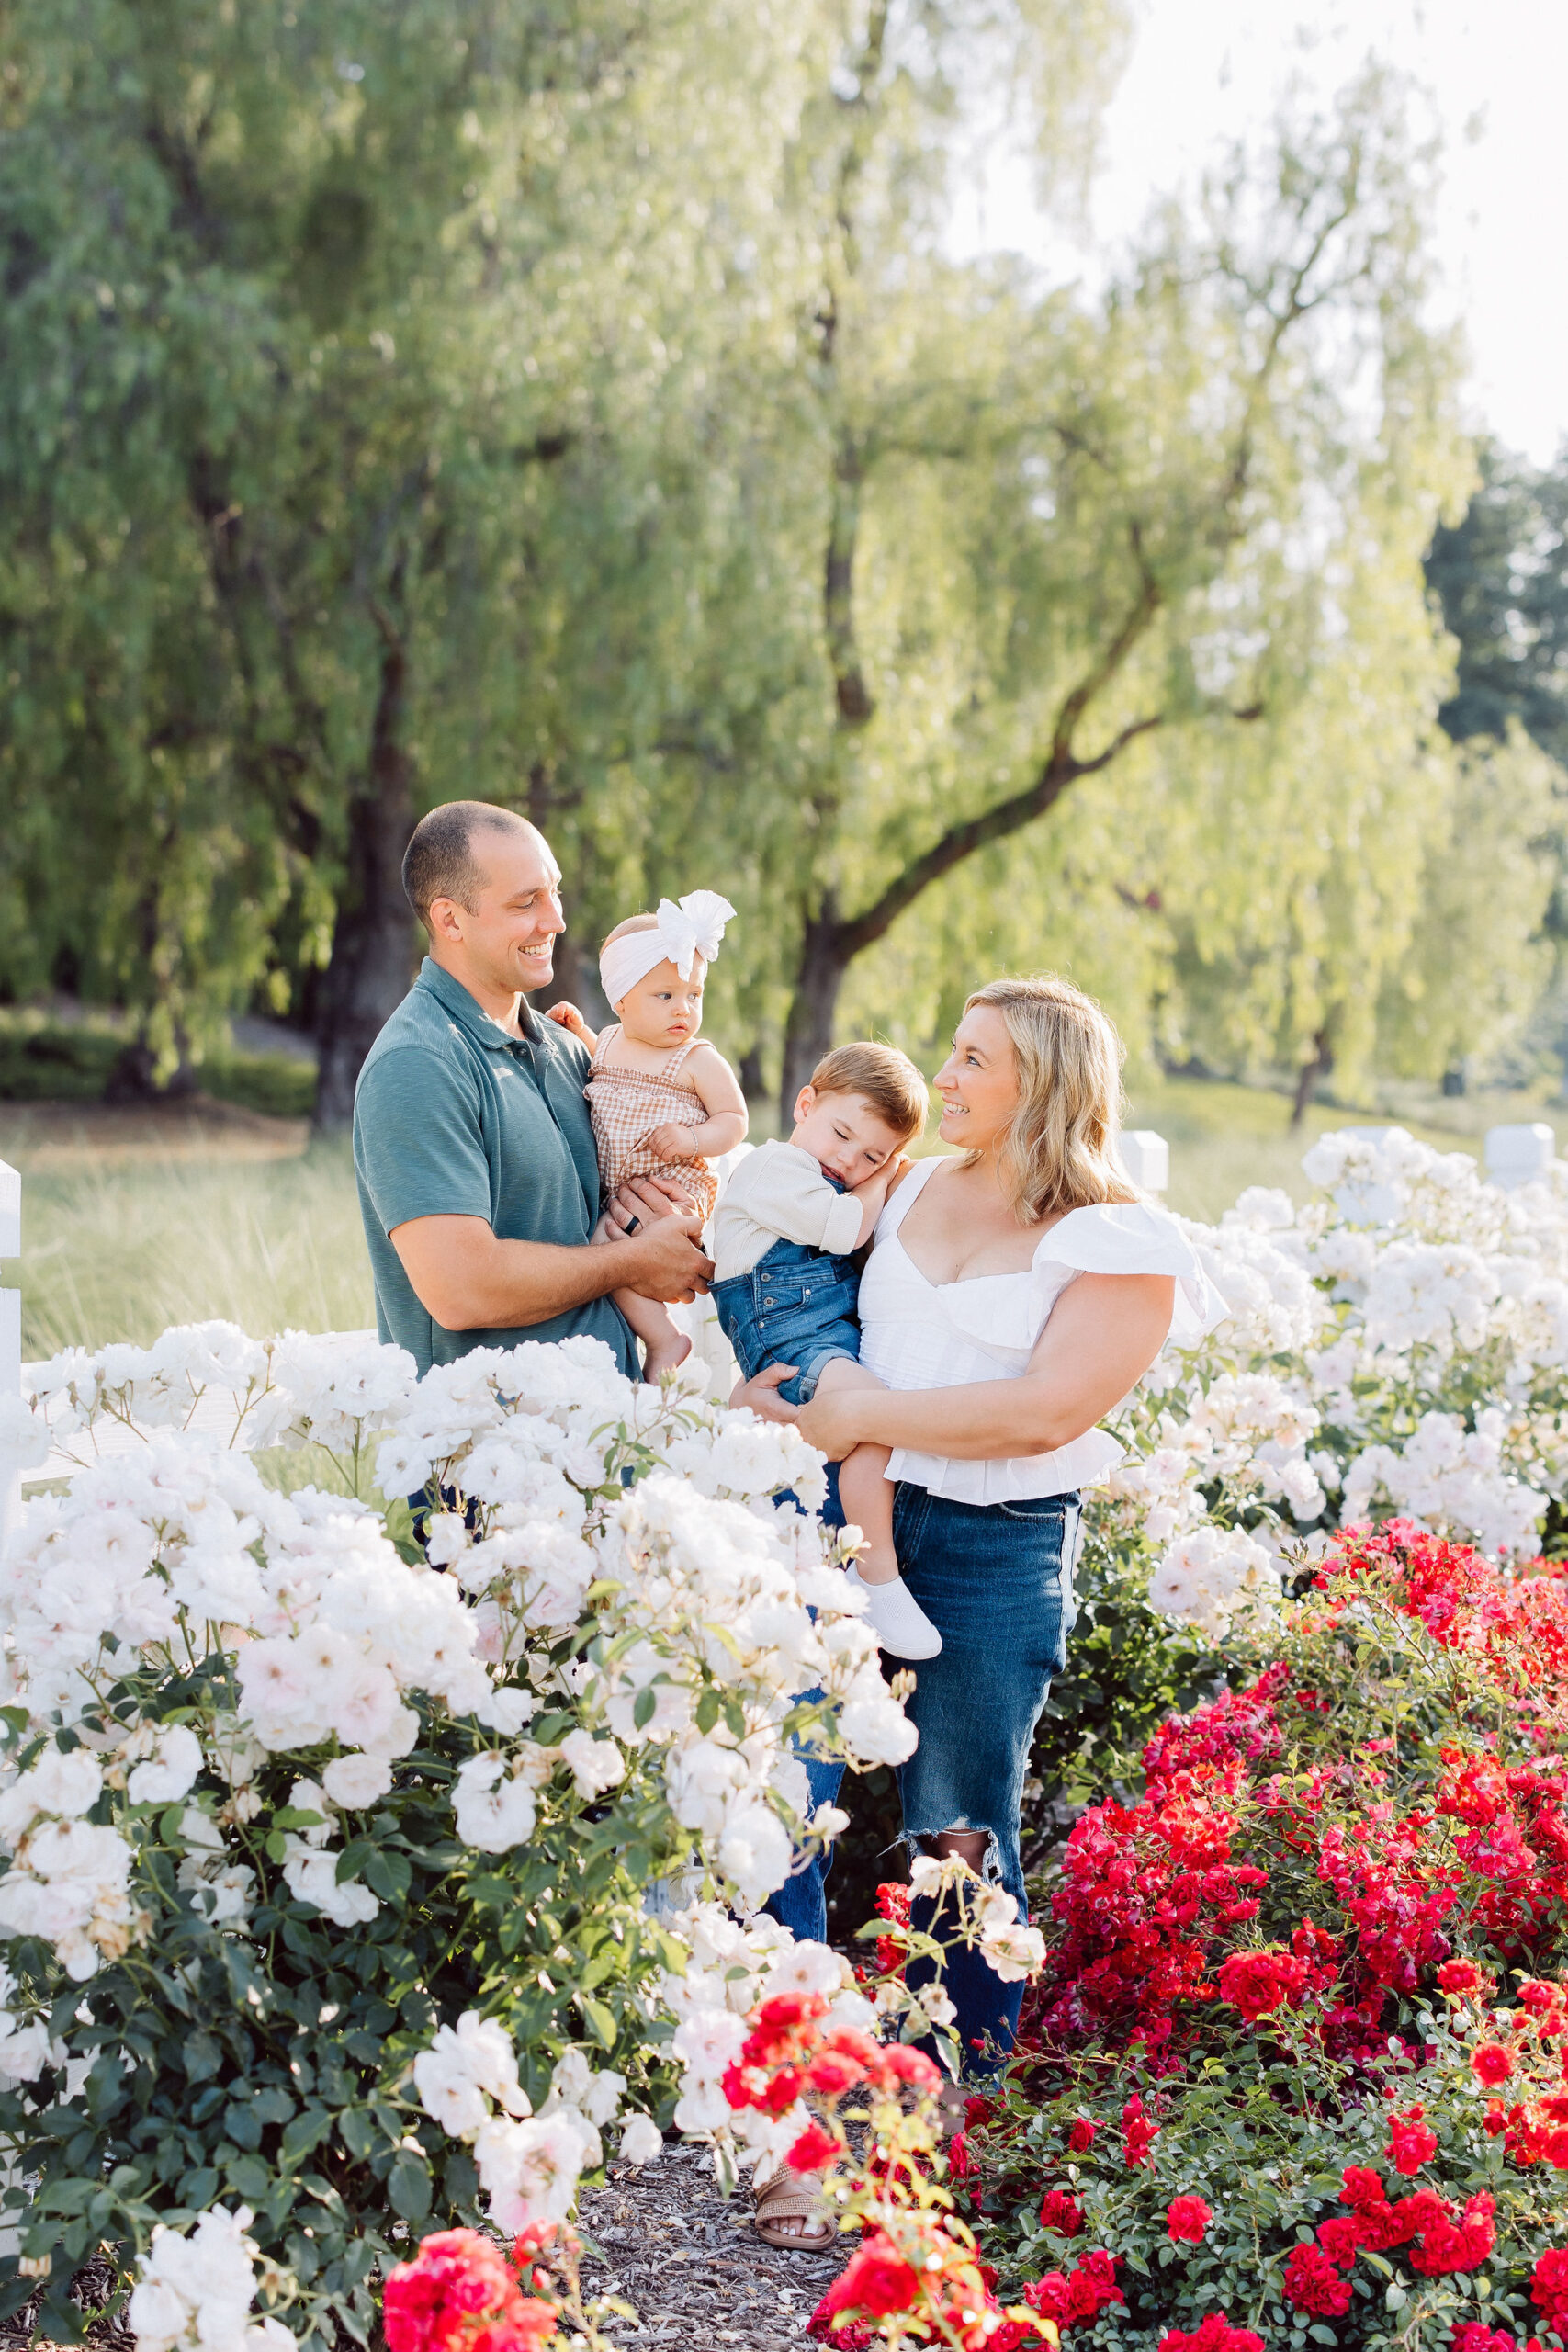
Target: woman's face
x=978 y=1082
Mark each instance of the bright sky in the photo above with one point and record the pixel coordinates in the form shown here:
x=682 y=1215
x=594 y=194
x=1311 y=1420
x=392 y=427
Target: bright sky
x=1207 y=70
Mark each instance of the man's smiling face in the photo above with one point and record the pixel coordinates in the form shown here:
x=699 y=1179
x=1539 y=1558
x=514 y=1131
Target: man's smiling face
x=504 y=943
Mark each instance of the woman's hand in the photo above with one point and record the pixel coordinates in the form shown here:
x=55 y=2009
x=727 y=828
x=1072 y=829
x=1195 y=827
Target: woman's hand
x=831 y=1423
x=761 y=1393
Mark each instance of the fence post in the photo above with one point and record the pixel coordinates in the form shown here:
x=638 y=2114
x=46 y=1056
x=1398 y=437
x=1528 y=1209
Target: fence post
x=1517 y=1155
x=10 y=1346
x=1146 y=1158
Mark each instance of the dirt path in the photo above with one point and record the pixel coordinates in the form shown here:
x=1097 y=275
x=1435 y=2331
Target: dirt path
x=692 y=2265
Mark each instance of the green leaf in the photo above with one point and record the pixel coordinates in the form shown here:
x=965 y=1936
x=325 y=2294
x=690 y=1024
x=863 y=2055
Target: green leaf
x=409 y=2186
x=353 y=1859
x=642 y=1710
x=251 y=2178
x=200 y=2056
x=357 y=2128
x=598 y=2021
x=388 y=1875
x=307 y=2131
x=708 y=1707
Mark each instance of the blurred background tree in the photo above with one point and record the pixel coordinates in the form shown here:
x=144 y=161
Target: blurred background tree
x=580 y=405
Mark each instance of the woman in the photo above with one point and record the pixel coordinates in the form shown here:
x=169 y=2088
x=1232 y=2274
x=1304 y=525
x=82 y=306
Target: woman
x=1014 y=1297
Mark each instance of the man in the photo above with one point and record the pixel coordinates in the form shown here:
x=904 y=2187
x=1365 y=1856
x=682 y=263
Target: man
x=479 y=1182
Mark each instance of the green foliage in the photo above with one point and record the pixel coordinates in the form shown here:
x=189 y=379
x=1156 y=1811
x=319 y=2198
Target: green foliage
x=584 y=413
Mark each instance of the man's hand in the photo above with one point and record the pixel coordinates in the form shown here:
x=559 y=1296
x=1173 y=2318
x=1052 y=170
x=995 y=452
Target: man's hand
x=643 y=1199
x=760 y=1393
x=663 y=1260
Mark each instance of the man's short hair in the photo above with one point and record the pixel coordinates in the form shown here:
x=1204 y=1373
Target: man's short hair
x=439 y=861
x=881 y=1076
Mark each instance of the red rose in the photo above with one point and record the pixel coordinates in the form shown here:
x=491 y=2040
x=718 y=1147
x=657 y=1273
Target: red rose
x=877 y=2281
x=1462 y=1978
x=1080 y=2139
x=1062 y=2212
x=1490 y=2065
x=1212 y=2334
x=1048 y=2295
x=1186 y=2219
x=1090 y=2283
x=814 y=2151
x=1411 y=2143
x=831 y=2073
x=1312 y=2283
x=1256 y=1982
x=1341 y=2238
x=1138 y=2134
x=1549 y=2289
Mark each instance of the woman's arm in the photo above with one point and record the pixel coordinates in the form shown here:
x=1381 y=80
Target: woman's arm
x=1103 y=1335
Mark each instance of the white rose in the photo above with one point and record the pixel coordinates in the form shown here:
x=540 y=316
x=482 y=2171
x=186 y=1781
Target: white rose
x=595 y=1764
x=641 y=2142
x=356 y=1781
x=494 y=1812
x=171 y=1774
x=156 y=2315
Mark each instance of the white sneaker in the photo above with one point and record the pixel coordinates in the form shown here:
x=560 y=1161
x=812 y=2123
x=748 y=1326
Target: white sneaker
x=901 y=1624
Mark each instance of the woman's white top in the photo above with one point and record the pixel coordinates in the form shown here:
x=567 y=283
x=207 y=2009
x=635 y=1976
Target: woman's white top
x=919 y=1334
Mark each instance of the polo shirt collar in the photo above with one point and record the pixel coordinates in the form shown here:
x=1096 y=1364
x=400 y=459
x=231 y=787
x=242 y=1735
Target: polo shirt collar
x=456 y=999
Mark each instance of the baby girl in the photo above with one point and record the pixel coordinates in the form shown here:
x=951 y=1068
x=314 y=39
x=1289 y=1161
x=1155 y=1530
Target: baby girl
x=662 y=1101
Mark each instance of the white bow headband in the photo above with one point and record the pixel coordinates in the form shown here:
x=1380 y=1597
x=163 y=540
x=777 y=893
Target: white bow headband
x=693 y=928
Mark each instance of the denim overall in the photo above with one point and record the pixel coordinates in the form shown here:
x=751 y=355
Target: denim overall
x=796 y=1306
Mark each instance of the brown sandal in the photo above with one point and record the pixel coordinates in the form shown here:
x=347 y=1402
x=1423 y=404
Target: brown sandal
x=794 y=2197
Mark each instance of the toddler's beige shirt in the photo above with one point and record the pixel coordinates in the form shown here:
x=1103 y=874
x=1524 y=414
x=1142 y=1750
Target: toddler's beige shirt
x=779 y=1194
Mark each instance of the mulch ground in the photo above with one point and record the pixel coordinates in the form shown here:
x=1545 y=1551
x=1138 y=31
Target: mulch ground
x=688 y=2262
x=692 y=2266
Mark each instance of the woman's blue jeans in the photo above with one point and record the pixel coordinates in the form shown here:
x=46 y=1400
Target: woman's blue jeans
x=996 y=1582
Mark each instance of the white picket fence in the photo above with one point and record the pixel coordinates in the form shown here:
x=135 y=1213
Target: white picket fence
x=1513 y=1156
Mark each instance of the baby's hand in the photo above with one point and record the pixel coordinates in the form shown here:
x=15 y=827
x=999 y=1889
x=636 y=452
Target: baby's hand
x=671 y=1141
x=567 y=1016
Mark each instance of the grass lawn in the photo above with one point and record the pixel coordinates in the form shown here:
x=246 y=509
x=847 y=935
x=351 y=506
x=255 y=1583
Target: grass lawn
x=132 y=1224
x=134 y=1220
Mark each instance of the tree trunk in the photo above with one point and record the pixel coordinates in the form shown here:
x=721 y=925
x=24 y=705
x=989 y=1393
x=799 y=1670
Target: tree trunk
x=825 y=957
x=373 y=943
x=1319 y=1066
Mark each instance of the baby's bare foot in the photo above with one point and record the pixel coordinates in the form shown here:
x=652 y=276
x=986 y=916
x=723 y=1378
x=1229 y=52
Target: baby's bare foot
x=660 y=1356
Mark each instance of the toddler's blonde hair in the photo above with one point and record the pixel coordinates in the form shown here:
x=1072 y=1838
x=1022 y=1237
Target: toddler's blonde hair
x=883 y=1077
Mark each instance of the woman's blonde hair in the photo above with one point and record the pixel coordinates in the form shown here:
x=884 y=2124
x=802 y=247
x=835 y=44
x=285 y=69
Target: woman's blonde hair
x=1059 y=1151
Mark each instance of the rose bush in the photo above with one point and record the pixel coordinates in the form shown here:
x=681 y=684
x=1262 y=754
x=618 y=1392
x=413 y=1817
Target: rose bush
x=1298 y=2055
x=344 y=1890
x=326 y=1906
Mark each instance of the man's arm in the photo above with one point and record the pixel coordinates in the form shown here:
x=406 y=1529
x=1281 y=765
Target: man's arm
x=469 y=1281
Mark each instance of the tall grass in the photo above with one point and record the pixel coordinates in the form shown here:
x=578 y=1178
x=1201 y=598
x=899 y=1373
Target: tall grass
x=121 y=1252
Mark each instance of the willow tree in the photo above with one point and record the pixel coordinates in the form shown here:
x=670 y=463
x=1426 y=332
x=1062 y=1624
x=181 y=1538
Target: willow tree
x=1047 y=534
x=335 y=404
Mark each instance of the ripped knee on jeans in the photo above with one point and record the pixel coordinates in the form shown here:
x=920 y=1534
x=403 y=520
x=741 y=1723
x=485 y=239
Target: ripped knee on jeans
x=979 y=1848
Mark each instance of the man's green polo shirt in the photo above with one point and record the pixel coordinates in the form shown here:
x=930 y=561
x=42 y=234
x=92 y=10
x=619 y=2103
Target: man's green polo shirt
x=453 y=1116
